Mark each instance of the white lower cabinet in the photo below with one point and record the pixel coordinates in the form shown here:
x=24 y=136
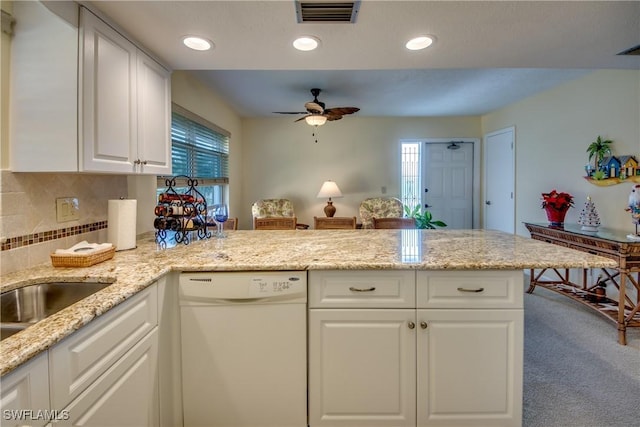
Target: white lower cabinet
x=106 y=374
x=469 y=368
x=125 y=395
x=362 y=367
x=454 y=357
x=25 y=394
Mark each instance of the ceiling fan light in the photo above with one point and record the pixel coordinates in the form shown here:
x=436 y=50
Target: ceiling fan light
x=306 y=43
x=419 y=43
x=315 y=120
x=197 y=43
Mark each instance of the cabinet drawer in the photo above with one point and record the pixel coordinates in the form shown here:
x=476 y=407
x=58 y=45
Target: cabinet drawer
x=81 y=358
x=362 y=289
x=470 y=289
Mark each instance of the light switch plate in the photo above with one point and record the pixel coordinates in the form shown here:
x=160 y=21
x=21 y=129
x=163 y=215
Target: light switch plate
x=67 y=209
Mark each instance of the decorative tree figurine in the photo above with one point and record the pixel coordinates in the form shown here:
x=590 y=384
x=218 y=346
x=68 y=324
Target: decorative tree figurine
x=589 y=218
x=599 y=149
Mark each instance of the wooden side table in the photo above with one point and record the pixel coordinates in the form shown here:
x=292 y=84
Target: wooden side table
x=334 y=223
x=625 y=311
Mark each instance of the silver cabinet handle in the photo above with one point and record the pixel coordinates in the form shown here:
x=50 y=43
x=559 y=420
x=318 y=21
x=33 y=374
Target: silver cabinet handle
x=371 y=289
x=423 y=325
x=411 y=325
x=471 y=290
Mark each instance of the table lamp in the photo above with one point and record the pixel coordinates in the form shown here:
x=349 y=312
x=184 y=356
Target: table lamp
x=329 y=189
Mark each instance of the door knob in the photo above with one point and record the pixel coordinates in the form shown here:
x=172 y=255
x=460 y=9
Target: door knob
x=423 y=325
x=411 y=325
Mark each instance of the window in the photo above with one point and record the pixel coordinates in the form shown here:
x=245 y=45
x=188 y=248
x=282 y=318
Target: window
x=410 y=174
x=199 y=149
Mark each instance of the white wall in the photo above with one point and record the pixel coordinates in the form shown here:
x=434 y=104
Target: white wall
x=553 y=131
x=361 y=154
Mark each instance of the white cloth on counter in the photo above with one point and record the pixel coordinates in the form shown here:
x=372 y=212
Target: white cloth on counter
x=84 y=248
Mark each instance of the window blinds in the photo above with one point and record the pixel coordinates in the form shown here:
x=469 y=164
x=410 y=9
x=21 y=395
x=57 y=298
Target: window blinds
x=199 y=149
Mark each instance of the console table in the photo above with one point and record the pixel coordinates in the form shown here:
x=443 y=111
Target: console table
x=625 y=310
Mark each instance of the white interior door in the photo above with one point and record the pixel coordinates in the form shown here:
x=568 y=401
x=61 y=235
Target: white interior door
x=499 y=173
x=448 y=185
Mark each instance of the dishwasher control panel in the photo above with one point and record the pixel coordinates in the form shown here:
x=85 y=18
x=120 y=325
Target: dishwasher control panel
x=228 y=286
x=261 y=286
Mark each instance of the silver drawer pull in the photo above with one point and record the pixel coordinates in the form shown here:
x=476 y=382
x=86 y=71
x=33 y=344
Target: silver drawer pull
x=471 y=290
x=371 y=289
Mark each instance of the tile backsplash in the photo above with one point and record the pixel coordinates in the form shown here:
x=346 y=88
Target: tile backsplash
x=29 y=231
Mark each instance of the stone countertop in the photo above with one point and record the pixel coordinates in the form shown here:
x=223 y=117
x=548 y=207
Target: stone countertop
x=133 y=270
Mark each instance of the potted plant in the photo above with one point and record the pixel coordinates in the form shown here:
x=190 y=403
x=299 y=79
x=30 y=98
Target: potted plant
x=424 y=218
x=599 y=149
x=556 y=204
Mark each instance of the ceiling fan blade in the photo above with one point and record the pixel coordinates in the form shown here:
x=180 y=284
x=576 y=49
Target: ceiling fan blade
x=333 y=114
x=290 y=112
x=301 y=118
x=314 y=107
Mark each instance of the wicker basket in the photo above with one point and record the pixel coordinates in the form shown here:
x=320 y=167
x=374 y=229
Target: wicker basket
x=79 y=260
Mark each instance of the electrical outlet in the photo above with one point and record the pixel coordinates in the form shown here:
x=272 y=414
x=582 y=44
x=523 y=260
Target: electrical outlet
x=67 y=209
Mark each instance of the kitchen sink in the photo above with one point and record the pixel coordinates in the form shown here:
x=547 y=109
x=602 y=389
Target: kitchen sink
x=22 y=307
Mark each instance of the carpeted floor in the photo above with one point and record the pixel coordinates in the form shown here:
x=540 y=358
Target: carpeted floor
x=575 y=372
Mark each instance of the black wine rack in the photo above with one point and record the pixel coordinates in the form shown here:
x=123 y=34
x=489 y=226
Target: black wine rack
x=180 y=215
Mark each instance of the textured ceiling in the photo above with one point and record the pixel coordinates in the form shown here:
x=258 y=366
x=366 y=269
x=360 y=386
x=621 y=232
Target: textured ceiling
x=487 y=54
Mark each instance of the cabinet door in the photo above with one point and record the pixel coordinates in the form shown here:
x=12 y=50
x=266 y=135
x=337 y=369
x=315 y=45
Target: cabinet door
x=470 y=367
x=362 y=367
x=44 y=87
x=126 y=395
x=108 y=96
x=81 y=358
x=25 y=394
x=154 y=117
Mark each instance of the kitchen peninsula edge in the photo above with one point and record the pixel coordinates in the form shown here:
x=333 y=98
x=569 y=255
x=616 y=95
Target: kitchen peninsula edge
x=133 y=270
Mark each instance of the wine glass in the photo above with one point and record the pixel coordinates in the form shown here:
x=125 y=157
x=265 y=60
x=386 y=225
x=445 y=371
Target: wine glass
x=220 y=214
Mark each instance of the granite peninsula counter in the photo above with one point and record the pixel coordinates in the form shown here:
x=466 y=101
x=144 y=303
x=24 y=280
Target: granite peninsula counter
x=133 y=270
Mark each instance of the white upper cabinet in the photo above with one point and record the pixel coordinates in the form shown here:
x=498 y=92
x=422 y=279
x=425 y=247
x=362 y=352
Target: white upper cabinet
x=88 y=99
x=43 y=127
x=154 y=117
x=125 y=97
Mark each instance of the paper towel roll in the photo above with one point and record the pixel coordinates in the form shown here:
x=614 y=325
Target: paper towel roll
x=121 y=225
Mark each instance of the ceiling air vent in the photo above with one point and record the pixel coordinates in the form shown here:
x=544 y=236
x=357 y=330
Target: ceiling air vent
x=632 y=51
x=327 y=11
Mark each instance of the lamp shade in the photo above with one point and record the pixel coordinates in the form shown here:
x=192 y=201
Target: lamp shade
x=315 y=120
x=329 y=189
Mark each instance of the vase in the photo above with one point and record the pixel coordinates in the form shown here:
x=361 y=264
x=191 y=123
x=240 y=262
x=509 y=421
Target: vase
x=556 y=215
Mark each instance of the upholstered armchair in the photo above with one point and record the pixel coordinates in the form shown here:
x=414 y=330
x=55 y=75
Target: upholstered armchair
x=379 y=207
x=268 y=208
x=273 y=208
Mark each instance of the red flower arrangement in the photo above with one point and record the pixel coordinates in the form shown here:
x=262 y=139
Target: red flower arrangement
x=555 y=200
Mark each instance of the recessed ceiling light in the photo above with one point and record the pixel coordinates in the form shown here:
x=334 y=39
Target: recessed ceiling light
x=306 y=43
x=197 y=43
x=420 y=43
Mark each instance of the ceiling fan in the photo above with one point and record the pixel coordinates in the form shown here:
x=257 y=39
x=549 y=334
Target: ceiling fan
x=316 y=114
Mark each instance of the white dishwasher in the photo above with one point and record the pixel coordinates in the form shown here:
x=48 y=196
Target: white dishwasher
x=244 y=349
